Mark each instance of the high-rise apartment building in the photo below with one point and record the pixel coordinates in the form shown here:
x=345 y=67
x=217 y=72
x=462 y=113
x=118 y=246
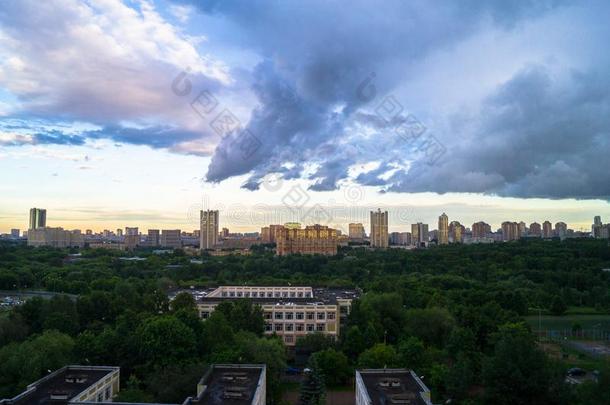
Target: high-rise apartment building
x=379 y=229
x=443 y=229
x=547 y=230
x=38 y=218
x=209 y=229
x=132 y=231
x=419 y=234
x=119 y=232
x=224 y=233
x=356 y=231
x=15 y=233
x=266 y=234
x=55 y=237
x=456 y=232
x=314 y=239
x=597 y=229
x=522 y=228
x=535 y=229
x=152 y=238
x=510 y=231
x=480 y=230
x=561 y=229
x=171 y=239
x=273 y=232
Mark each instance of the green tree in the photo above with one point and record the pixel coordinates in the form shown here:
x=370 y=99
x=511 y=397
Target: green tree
x=558 y=306
x=165 y=340
x=23 y=363
x=183 y=301
x=517 y=371
x=334 y=366
x=242 y=314
x=412 y=354
x=313 y=390
x=378 y=356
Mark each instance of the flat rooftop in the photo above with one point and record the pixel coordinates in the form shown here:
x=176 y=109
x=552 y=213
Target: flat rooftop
x=61 y=386
x=321 y=296
x=231 y=384
x=394 y=386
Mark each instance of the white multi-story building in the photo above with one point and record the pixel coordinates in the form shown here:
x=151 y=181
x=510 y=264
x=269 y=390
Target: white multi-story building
x=208 y=233
x=290 y=312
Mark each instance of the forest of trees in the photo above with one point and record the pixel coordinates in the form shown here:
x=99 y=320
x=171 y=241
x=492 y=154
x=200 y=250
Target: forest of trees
x=454 y=314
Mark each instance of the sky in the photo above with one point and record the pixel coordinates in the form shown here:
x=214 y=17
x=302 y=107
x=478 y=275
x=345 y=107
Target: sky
x=140 y=113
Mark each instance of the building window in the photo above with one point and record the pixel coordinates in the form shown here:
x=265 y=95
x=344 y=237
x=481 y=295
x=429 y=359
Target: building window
x=254 y=294
x=310 y=327
x=269 y=294
x=307 y=295
x=321 y=315
x=205 y=315
x=279 y=327
x=288 y=339
x=224 y=293
x=285 y=294
x=279 y=315
x=300 y=294
x=268 y=327
x=300 y=315
x=277 y=294
x=247 y=294
x=100 y=397
x=232 y=294
x=310 y=315
x=292 y=294
x=107 y=393
x=300 y=327
x=320 y=327
x=330 y=315
x=289 y=315
x=267 y=315
x=239 y=293
x=289 y=327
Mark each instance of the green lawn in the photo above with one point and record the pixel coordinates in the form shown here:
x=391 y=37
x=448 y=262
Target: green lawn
x=601 y=322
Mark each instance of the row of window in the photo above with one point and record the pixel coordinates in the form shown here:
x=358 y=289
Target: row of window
x=292 y=327
x=300 y=315
x=268 y=294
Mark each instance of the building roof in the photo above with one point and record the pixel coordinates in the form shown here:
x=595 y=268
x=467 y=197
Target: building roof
x=231 y=384
x=61 y=386
x=321 y=296
x=394 y=386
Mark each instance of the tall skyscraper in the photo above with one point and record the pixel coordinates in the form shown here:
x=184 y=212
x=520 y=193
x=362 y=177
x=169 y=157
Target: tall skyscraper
x=356 y=231
x=419 y=234
x=547 y=230
x=561 y=229
x=133 y=231
x=535 y=229
x=38 y=218
x=510 y=231
x=598 y=227
x=456 y=231
x=443 y=229
x=209 y=229
x=379 y=229
x=170 y=238
x=480 y=229
x=152 y=239
x=119 y=232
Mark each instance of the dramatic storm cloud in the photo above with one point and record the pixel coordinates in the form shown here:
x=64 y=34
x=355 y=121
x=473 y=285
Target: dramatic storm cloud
x=500 y=97
x=533 y=135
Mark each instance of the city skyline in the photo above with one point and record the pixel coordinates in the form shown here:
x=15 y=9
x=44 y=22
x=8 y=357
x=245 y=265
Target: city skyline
x=244 y=221
x=145 y=138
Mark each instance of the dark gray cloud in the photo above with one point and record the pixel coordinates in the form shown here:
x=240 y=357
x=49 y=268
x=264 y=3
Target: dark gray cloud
x=537 y=136
x=311 y=110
